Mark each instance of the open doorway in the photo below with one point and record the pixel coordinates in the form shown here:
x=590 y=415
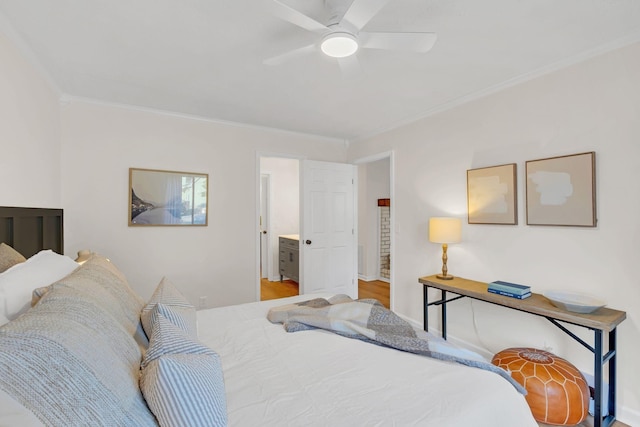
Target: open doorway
x=375 y=219
x=279 y=223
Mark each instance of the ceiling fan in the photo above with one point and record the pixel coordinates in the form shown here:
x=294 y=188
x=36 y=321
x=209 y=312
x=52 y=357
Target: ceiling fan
x=342 y=36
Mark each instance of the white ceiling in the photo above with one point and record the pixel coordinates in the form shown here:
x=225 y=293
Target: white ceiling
x=205 y=57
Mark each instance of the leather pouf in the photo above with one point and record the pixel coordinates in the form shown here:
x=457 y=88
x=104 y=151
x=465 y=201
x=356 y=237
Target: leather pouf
x=557 y=392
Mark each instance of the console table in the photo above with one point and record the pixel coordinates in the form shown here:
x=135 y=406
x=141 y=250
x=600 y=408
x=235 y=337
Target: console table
x=600 y=321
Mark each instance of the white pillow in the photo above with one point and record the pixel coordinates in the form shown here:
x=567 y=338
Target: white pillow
x=18 y=282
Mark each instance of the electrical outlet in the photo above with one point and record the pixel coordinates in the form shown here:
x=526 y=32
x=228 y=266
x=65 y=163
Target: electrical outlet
x=202 y=302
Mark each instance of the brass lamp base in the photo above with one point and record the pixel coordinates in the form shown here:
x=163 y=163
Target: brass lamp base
x=444 y=275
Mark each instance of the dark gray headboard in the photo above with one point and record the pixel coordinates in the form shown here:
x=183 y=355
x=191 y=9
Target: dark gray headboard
x=29 y=230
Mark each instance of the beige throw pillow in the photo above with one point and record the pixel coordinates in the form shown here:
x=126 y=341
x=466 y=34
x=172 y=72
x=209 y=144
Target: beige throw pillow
x=9 y=257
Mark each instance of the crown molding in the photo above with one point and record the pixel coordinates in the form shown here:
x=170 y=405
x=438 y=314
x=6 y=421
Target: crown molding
x=542 y=71
x=67 y=100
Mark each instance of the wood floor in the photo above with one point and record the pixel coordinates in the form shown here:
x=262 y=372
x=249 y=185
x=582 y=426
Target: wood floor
x=376 y=289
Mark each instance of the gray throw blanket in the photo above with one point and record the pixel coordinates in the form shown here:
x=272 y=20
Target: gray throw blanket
x=370 y=321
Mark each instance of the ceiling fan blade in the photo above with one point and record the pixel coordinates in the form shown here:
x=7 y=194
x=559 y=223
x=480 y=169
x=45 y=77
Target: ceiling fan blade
x=279 y=59
x=295 y=17
x=415 y=42
x=350 y=66
x=361 y=11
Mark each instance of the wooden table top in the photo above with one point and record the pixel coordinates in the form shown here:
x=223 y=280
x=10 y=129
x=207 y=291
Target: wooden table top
x=605 y=319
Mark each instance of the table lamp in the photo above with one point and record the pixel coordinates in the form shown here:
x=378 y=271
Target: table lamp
x=445 y=231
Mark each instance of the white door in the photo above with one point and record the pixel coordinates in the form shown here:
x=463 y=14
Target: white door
x=328 y=237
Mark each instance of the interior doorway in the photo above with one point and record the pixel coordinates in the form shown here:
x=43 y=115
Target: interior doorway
x=279 y=216
x=375 y=224
x=284 y=195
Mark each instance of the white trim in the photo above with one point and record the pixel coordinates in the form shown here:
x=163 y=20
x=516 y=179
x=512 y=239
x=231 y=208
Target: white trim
x=628 y=415
x=378 y=244
x=522 y=78
x=367 y=278
x=392 y=173
x=258 y=173
x=373 y=157
x=266 y=226
x=69 y=99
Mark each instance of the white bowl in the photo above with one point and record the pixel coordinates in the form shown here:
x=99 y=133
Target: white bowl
x=577 y=303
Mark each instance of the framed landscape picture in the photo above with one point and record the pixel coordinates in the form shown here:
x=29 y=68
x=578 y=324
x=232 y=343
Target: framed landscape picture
x=160 y=197
x=492 y=195
x=562 y=190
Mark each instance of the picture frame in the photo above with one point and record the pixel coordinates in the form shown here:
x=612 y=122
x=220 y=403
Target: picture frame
x=561 y=191
x=167 y=198
x=492 y=195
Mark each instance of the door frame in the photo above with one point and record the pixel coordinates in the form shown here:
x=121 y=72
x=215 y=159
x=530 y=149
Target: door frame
x=256 y=222
x=265 y=197
x=373 y=158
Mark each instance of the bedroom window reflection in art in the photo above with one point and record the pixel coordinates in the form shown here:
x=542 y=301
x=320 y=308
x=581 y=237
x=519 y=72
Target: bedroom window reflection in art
x=159 y=197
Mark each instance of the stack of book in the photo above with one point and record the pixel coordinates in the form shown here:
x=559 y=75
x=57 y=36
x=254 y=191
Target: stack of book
x=507 y=289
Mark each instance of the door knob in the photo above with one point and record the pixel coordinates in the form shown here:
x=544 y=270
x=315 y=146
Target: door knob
x=264 y=232
x=308 y=242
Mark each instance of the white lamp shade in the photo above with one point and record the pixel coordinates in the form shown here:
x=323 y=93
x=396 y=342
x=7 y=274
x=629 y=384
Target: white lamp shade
x=445 y=230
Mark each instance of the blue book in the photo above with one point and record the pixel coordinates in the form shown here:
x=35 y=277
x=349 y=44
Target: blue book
x=513 y=288
x=509 y=294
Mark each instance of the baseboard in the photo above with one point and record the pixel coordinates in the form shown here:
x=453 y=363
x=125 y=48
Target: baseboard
x=629 y=416
x=366 y=278
x=383 y=279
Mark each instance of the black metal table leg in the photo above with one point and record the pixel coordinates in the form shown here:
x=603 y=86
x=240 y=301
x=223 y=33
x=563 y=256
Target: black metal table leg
x=426 y=308
x=597 y=380
x=613 y=353
x=443 y=297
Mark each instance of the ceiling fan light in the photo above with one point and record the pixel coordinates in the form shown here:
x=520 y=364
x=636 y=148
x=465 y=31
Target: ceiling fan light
x=339 y=45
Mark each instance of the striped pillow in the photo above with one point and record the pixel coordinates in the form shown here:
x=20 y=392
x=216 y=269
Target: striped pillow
x=166 y=342
x=182 y=380
x=166 y=293
x=182 y=317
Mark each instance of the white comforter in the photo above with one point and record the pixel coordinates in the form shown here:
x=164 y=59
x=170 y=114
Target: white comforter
x=317 y=378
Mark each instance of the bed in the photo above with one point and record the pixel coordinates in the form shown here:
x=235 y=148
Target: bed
x=257 y=373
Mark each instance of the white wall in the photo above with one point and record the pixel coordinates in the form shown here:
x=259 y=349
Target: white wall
x=590 y=106
x=594 y=105
x=284 y=203
x=29 y=133
x=373 y=184
x=219 y=261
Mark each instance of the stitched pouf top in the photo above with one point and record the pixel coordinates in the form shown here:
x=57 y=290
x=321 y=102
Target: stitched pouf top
x=557 y=392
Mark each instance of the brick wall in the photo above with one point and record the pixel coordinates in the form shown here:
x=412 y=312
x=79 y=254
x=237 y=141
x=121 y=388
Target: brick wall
x=385 y=241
